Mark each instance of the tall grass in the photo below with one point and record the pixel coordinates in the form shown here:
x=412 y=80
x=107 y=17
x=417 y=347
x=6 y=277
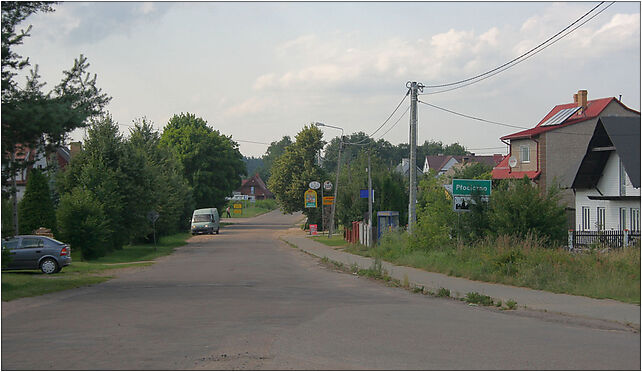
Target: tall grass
x=525 y=262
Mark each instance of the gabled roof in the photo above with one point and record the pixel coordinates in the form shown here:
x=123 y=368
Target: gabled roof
x=621 y=133
x=593 y=109
x=258 y=181
x=503 y=171
x=437 y=162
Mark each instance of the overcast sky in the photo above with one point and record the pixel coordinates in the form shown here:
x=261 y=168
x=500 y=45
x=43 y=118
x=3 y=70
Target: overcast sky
x=259 y=71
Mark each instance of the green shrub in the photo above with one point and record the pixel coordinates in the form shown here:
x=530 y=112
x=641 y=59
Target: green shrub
x=476 y=298
x=81 y=223
x=7 y=217
x=443 y=292
x=36 y=208
x=519 y=209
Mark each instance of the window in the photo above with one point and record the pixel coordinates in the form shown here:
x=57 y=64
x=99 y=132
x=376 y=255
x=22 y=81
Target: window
x=623 y=214
x=252 y=190
x=10 y=244
x=525 y=152
x=635 y=219
x=622 y=179
x=31 y=243
x=586 y=218
x=601 y=218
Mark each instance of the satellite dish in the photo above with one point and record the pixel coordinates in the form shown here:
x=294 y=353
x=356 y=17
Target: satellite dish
x=512 y=161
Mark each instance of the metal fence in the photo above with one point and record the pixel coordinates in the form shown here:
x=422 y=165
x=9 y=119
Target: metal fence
x=609 y=238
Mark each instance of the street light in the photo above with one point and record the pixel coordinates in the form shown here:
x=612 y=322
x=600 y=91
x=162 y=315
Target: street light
x=336 y=183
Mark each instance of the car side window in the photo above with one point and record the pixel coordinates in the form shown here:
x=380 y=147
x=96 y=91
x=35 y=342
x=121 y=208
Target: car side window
x=31 y=243
x=10 y=244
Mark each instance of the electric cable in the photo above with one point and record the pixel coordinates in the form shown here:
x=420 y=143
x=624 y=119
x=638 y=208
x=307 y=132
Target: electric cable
x=384 y=123
x=472 y=117
x=515 y=62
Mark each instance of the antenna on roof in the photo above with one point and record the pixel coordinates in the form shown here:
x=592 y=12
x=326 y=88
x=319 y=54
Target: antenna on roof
x=620 y=98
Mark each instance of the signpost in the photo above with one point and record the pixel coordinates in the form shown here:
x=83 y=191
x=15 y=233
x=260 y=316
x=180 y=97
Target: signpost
x=152 y=216
x=464 y=192
x=238 y=208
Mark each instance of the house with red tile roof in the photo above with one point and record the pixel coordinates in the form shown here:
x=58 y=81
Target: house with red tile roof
x=255 y=186
x=551 y=152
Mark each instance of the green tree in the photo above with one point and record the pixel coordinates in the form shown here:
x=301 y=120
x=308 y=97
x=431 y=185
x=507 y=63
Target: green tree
x=273 y=152
x=519 y=209
x=295 y=169
x=36 y=208
x=30 y=116
x=81 y=223
x=474 y=171
x=211 y=162
x=169 y=193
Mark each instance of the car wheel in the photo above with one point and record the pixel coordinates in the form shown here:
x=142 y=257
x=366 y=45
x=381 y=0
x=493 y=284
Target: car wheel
x=217 y=231
x=49 y=266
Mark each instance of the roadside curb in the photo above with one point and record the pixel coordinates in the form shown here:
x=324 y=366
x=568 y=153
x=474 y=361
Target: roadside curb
x=564 y=304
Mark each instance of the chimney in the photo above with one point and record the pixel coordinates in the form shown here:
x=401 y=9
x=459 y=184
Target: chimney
x=582 y=98
x=575 y=99
x=74 y=148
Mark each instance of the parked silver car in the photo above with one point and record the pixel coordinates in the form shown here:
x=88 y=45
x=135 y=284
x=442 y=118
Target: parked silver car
x=36 y=252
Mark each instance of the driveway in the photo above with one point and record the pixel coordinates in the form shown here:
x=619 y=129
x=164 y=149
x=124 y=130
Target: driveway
x=245 y=300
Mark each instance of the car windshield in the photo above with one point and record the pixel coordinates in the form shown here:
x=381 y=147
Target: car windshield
x=202 y=218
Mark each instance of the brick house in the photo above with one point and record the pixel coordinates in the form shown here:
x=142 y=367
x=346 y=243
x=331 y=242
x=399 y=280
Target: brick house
x=551 y=152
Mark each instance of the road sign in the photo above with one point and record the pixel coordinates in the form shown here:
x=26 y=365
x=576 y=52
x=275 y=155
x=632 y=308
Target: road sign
x=152 y=216
x=238 y=206
x=238 y=211
x=328 y=200
x=471 y=187
x=363 y=193
x=464 y=192
x=314 y=185
x=327 y=185
x=310 y=199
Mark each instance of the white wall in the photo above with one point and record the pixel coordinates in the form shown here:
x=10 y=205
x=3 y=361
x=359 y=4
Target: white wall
x=609 y=186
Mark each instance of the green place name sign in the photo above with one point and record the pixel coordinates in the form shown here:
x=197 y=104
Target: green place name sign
x=471 y=187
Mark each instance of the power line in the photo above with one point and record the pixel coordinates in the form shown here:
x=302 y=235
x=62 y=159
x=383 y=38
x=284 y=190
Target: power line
x=395 y=124
x=473 y=117
x=515 y=61
x=382 y=124
x=259 y=143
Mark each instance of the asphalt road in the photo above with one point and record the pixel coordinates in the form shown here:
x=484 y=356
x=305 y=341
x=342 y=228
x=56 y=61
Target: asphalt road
x=245 y=300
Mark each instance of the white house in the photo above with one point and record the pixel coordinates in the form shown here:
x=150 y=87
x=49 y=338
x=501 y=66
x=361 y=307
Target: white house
x=607 y=183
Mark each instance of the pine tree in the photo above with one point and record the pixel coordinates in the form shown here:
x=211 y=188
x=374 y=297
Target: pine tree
x=36 y=207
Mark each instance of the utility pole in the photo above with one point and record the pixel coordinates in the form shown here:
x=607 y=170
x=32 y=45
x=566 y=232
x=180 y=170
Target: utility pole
x=412 y=205
x=369 y=202
x=14 y=190
x=336 y=187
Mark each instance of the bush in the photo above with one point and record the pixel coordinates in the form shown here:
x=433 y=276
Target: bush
x=520 y=209
x=81 y=223
x=7 y=217
x=36 y=207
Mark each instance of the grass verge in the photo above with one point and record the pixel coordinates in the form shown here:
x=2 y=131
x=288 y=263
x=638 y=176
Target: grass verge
x=524 y=263
x=27 y=283
x=336 y=240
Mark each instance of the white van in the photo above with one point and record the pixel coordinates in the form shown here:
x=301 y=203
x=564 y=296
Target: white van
x=205 y=221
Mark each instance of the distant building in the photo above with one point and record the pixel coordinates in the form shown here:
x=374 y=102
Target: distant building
x=442 y=164
x=255 y=187
x=404 y=168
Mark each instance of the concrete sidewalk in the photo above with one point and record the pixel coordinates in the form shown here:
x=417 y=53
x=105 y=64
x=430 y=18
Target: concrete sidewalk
x=609 y=310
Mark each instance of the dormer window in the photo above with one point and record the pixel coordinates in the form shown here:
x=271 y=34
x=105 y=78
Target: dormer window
x=525 y=154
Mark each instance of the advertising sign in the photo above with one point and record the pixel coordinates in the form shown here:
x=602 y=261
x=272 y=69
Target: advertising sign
x=238 y=206
x=327 y=185
x=310 y=199
x=313 y=229
x=363 y=193
x=328 y=200
x=314 y=185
